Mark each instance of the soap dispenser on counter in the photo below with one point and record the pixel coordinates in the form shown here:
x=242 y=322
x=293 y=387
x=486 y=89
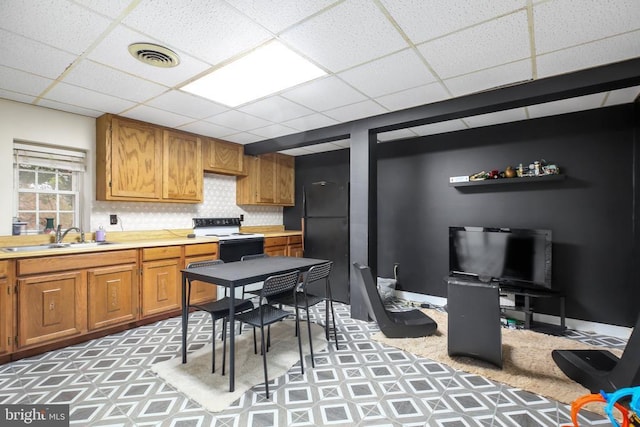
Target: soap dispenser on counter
x=101 y=235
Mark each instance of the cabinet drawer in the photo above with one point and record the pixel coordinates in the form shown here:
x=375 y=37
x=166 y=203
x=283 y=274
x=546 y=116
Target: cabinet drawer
x=50 y=264
x=161 y=252
x=202 y=249
x=295 y=240
x=275 y=241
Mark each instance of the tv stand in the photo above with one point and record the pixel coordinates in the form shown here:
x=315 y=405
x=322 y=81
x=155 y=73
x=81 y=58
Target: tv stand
x=527 y=307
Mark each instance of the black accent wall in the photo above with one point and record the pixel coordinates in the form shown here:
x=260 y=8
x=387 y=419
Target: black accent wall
x=592 y=213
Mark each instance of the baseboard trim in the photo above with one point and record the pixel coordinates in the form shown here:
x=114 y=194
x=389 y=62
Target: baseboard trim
x=577 y=324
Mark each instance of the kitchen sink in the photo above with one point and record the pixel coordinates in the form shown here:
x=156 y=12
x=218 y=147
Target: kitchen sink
x=47 y=246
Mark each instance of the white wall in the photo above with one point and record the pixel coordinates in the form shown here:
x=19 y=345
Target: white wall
x=42 y=125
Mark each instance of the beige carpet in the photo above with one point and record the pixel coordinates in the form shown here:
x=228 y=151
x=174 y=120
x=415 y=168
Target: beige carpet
x=527 y=362
x=195 y=379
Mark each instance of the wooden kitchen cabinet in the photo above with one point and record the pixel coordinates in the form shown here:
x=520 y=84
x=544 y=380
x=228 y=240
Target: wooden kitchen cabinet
x=275 y=246
x=6 y=306
x=200 y=291
x=51 y=307
x=137 y=161
x=182 y=167
x=294 y=246
x=269 y=180
x=161 y=279
x=112 y=295
x=222 y=157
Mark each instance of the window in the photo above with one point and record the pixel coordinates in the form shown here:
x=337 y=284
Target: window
x=47 y=186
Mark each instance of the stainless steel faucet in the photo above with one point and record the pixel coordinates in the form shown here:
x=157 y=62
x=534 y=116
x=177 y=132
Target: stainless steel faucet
x=60 y=235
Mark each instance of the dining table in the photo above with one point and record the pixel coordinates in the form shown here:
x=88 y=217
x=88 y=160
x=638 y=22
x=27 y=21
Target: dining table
x=237 y=274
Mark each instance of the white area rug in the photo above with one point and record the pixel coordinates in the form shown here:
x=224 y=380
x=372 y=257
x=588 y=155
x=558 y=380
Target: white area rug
x=211 y=391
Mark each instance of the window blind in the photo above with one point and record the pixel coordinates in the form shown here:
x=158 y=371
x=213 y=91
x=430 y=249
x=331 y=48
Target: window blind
x=57 y=158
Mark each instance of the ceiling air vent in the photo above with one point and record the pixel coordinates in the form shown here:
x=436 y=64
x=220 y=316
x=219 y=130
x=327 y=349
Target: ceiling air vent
x=153 y=54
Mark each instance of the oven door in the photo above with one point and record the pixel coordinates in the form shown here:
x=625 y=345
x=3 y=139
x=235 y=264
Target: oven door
x=233 y=250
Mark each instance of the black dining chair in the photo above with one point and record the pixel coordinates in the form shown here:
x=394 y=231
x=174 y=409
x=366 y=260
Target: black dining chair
x=218 y=309
x=303 y=299
x=255 y=291
x=266 y=314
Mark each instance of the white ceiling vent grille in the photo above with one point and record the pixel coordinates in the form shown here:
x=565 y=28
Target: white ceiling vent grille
x=153 y=54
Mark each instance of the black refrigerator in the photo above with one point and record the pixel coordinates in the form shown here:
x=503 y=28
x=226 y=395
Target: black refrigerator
x=326 y=232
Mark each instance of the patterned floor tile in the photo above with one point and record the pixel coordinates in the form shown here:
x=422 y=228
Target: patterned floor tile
x=107 y=382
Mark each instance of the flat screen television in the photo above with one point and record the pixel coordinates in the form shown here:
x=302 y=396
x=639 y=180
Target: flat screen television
x=515 y=257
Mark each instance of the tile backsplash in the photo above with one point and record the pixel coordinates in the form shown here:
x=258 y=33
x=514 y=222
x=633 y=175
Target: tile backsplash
x=219 y=201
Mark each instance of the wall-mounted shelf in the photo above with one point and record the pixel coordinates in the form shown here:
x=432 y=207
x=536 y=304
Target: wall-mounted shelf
x=507 y=181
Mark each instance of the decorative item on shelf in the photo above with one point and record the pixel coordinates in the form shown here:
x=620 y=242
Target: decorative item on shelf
x=520 y=171
x=480 y=176
x=509 y=172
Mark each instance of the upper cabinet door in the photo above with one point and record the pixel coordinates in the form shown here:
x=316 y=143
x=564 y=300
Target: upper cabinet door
x=285 y=190
x=136 y=160
x=182 y=168
x=267 y=178
x=223 y=157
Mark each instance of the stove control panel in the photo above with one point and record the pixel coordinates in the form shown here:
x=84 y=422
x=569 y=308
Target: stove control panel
x=215 y=222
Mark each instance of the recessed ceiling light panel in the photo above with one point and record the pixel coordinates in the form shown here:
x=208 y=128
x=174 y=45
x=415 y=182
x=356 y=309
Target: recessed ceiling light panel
x=266 y=70
x=153 y=54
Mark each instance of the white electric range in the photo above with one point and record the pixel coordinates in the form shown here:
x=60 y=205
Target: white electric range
x=233 y=244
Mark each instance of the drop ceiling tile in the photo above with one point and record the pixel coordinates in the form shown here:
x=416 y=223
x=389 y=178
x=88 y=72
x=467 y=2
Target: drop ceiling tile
x=600 y=52
x=70 y=108
x=570 y=105
x=563 y=23
x=343 y=143
x=97 y=77
x=440 y=127
x=296 y=152
x=351 y=33
x=243 y=138
x=490 y=78
x=208 y=129
x=493 y=43
x=313 y=95
x=276 y=16
x=312 y=121
x=238 y=120
x=276 y=109
x=24 y=83
x=74 y=95
x=186 y=104
x=111 y=8
x=393 y=73
x=210 y=30
x=113 y=51
x=159 y=117
x=425 y=20
x=321 y=148
x=413 y=97
x=356 y=111
x=65 y=25
x=274 y=131
x=32 y=56
x=396 y=134
x=623 y=96
x=489 y=119
x=15 y=96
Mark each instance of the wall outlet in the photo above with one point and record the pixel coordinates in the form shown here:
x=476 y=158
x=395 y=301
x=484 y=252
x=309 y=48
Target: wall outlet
x=113 y=219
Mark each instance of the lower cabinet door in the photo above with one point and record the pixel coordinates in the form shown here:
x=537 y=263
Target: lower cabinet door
x=112 y=296
x=160 y=286
x=201 y=292
x=51 y=307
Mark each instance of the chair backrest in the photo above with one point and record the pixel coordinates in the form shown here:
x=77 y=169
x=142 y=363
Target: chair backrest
x=254 y=256
x=318 y=272
x=208 y=263
x=373 y=301
x=627 y=370
x=279 y=284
